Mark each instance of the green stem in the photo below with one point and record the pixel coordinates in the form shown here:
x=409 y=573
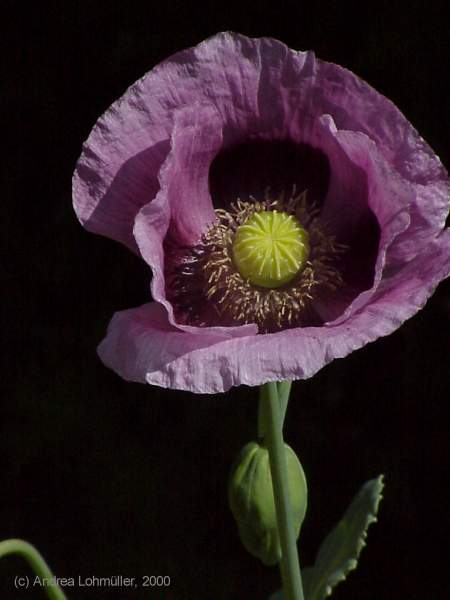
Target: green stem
x=284 y=389
x=262 y=417
x=290 y=566
x=36 y=562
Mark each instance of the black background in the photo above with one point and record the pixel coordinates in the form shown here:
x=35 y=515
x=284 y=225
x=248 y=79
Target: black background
x=107 y=477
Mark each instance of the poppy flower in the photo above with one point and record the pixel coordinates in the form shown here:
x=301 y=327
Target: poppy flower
x=290 y=214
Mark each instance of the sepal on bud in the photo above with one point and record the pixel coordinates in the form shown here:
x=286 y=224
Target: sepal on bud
x=250 y=495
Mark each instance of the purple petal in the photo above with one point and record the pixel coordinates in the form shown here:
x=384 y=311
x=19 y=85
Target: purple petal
x=196 y=139
x=142 y=338
x=142 y=346
x=114 y=178
x=428 y=212
x=117 y=172
x=382 y=191
x=183 y=208
x=231 y=90
x=259 y=86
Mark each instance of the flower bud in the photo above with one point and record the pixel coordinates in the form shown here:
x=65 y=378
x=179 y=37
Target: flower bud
x=250 y=495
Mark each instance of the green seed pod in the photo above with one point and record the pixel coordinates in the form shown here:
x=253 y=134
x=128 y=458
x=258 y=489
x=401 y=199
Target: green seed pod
x=250 y=495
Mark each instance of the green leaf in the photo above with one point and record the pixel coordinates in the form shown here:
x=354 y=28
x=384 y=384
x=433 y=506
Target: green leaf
x=339 y=552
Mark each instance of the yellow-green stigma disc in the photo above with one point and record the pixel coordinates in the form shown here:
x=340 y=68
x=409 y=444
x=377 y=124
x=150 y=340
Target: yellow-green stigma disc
x=270 y=248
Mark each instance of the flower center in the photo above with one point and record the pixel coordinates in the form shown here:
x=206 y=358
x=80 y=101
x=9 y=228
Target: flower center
x=270 y=248
x=264 y=261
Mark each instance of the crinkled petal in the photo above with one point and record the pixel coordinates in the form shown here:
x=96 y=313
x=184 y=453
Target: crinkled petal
x=261 y=90
x=196 y=139
x=142 y=338
x=142 y=346
x=110 y=185
x=427 y=219
x=387 y=195
x=259 y=87
x=301 y=88
x=117 y=172
x=183 y=207
x=361 y=179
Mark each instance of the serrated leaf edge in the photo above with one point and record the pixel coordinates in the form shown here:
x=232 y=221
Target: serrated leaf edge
x=351 y=563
